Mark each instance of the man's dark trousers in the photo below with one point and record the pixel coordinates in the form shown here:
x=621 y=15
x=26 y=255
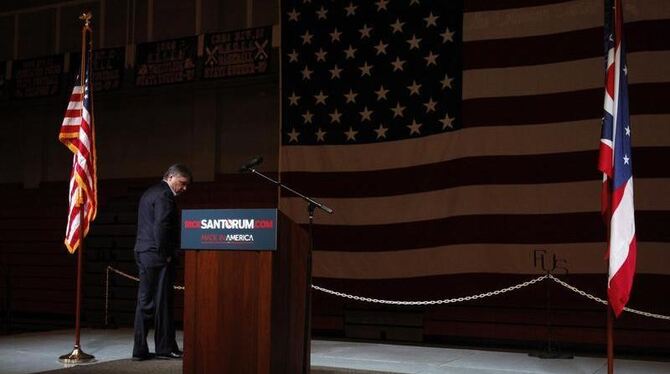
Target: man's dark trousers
x=155 y=302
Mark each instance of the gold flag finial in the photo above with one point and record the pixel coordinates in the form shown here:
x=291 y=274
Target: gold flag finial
x=86 y=17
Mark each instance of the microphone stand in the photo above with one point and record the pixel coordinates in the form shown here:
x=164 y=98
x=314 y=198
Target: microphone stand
x=311 y=207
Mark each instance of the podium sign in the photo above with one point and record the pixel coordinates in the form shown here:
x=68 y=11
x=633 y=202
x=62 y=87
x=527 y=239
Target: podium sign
x=229 y=229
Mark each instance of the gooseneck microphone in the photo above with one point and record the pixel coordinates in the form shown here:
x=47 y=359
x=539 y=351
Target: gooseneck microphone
x=251 y=164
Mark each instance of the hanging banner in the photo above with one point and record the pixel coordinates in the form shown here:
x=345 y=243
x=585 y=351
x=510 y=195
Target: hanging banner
x=36 y=77
x=108 y=66
x=166 y=62
x=237 y=53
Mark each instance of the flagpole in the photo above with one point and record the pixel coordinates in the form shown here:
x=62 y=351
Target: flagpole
x=610 y=340
x=78 y=356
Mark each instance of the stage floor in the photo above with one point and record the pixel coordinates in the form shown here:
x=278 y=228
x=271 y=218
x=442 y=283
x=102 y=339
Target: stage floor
x=38 y=352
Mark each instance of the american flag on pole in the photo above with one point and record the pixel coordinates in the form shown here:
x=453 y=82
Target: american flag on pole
x=77 y=133
x=616 y=164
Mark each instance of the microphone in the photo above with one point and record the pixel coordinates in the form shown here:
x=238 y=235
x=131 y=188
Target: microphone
x=251 y=164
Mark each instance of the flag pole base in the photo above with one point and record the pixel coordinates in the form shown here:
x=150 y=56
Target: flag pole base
x=551 y=354
x=77 y=356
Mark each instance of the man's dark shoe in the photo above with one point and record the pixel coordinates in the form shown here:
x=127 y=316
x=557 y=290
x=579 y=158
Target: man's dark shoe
x=176 y=355
x=144 y=357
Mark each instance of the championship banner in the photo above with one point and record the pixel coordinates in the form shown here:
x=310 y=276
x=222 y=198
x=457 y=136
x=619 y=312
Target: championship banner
x=107 y=65
x=229 y=229
x=237 y=53
x=166 y=62
x=37 y=77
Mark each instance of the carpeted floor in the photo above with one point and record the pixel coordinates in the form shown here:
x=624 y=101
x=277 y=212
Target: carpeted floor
x=126 y=366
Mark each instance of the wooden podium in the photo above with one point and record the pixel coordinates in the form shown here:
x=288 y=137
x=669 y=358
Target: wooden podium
x=244 y=311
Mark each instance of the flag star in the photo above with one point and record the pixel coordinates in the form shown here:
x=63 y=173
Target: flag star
x=351 y=96
x=381 y=93
x=351 y=134
x=414 y=127
x=446 y=122
x=397 y=111
x=307 y=37
x=414 y=2
x=446 y=82
x=320 y=135
x=381 y=48
x=335 y=72
x=293 y=56
x=381 y=4
x=365 y=69
x=627 y=130
x=397 y=26
x=335 y=116
x=306 y=73
x=366 y=115
x=293 y=99
x=447 y=36
x=381 y=131
x=626 y=159
x=307 y=116
x=414 y=42
x=321 y=14
x=351 y=9
x=414 y=88
x=293 y=15
x=320 y=98
x=320 y=55
x=431 y=20
x=293 y=136
x=397 y=64
x=431 y=59
x=365 y=31
x=625 y=69
x=335 y=35
x=430 y=105
x=350 y=52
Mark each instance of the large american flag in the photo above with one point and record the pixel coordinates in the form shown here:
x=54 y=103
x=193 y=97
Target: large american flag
x=616 y=163
x=498 y=165
x=78 y=134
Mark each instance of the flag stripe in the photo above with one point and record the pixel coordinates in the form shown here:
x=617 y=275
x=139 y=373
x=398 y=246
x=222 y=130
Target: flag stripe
x=565 y=46
x=551 y=19
x=581 y=258
x=646 y=98
x=580 y=75
x=578 y=227
x=478 y=5
x=508 y=169
x=472 y=200
x=528 y=140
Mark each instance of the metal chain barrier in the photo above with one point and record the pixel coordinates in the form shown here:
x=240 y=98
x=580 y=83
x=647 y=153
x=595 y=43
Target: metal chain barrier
x=425 y=302
x=125 y=275
x=432 y=302
x=599 y=300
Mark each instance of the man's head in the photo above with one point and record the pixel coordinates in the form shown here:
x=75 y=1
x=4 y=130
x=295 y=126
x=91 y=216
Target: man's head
x=178 y=177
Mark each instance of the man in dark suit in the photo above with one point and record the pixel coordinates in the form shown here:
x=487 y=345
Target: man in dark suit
x=155 y=246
